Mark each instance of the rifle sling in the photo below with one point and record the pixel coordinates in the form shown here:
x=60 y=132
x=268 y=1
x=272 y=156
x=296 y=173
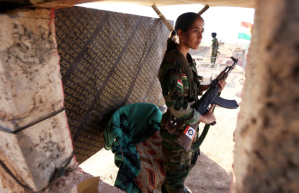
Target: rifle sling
x=192 y=92
x=199 y=141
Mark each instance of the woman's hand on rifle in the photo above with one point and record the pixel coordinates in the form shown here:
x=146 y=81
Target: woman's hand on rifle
x=209 y=116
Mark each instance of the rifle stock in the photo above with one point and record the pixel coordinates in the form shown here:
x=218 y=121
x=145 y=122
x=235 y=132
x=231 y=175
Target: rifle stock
x=186 y=137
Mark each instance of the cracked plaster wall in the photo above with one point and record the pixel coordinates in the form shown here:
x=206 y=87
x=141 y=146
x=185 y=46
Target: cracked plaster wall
x=31 y=89
x=267 y=136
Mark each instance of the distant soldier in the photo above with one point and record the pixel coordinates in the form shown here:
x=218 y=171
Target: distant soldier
x=215 y=46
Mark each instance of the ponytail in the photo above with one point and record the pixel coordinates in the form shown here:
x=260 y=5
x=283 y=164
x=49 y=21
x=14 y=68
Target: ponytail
x=171 y=42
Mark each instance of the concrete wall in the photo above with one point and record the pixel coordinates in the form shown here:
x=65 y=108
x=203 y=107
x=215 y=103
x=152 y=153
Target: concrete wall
x=267 y=135
x=30 y=90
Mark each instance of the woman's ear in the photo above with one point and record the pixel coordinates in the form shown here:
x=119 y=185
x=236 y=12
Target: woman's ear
x=180 y=36
x=180 y=33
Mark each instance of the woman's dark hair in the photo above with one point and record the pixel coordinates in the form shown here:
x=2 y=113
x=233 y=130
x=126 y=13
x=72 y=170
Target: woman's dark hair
x=183 y=22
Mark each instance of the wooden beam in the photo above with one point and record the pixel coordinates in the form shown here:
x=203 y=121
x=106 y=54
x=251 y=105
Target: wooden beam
x=204 y=9
x=168 y=25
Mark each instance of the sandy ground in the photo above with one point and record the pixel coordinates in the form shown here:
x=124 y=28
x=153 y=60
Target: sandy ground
x=213 y=170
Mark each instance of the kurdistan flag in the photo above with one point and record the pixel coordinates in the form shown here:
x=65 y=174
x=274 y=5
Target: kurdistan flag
x=245 y=30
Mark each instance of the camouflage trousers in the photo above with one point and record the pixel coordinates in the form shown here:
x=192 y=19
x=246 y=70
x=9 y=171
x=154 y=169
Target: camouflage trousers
x=178 y=162
x=213 y=57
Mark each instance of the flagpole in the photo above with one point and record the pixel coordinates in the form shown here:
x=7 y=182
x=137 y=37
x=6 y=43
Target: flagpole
x=236 y=40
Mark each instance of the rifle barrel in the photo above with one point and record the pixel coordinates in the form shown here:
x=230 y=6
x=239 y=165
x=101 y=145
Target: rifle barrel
x=234 y=59
x=233 y=65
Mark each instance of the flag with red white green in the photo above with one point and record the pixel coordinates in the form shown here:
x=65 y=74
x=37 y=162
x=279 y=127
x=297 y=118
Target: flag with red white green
x=245 y=31
x=180 y=84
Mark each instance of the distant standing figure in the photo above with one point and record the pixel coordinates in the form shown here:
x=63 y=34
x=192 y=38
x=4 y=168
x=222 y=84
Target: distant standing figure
x=215 y=46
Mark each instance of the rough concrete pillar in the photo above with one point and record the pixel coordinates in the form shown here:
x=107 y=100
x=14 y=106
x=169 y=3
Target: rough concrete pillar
x=30 y=91
x=267 y=135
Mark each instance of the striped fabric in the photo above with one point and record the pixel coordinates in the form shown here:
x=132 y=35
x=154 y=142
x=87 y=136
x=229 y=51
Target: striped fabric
x=152 y=168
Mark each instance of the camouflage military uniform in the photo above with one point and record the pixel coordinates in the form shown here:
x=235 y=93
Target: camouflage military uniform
x=215 y=46
x=175 y=88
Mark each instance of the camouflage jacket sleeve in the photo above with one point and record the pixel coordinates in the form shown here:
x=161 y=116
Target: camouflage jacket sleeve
x=175 y=87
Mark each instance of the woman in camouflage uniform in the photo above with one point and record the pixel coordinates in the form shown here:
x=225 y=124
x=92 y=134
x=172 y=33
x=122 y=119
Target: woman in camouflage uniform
x=180 y=87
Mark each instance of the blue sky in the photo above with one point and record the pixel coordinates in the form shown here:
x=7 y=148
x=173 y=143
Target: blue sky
x=225 y=21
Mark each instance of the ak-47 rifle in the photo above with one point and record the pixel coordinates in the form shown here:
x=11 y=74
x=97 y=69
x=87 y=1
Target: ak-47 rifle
x=210 y=97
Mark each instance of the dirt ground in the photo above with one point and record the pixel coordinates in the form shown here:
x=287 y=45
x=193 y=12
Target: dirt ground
x=213 y=170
